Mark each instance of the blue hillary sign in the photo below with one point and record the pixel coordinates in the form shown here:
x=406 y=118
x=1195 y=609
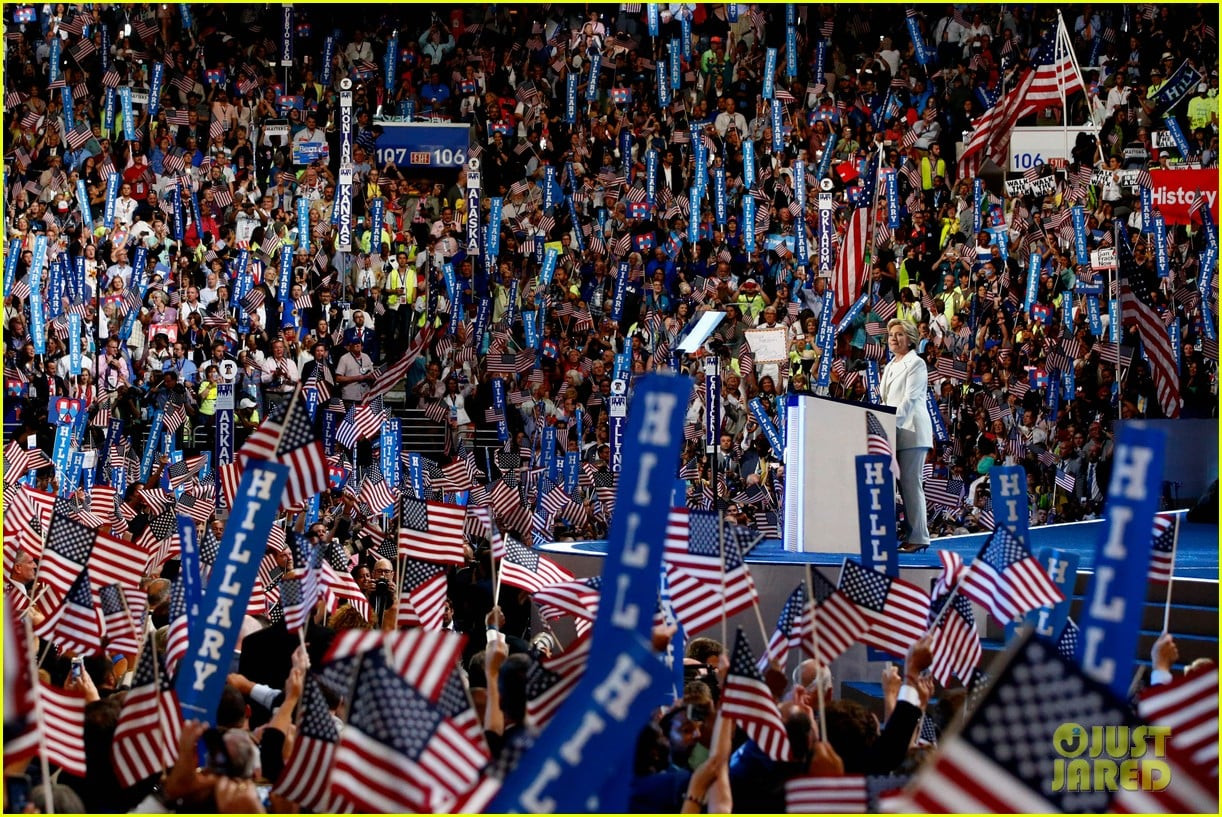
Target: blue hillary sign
x=1116 y=594
x=876 y=513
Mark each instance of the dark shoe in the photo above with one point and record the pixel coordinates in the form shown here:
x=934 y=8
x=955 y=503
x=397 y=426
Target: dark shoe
x=908 y=547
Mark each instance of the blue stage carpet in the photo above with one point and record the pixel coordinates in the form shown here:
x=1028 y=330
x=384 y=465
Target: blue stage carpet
x=1196 y=555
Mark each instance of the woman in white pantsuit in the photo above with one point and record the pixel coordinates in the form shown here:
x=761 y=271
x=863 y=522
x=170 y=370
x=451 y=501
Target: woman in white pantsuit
x=904 y=384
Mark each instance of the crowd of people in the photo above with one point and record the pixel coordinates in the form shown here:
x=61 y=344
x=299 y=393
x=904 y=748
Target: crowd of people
x=159 y=218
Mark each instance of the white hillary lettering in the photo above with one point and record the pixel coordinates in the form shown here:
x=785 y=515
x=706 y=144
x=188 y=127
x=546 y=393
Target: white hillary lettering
x=624 y=616
x=641 y=495
x=1129 y=472
x=209 y=648
x=1101 y=606
x=1057 y=568
x=261 y=482
x=220 y=615
x=875 y=504
x=618 y=691
x=591 y=725
x=655 y=428
x=1101 y=671
x=636 y=554
x=1118 y=520
x=530 y=799
x=1043 y=626
x=203 y=670
x=874 y=473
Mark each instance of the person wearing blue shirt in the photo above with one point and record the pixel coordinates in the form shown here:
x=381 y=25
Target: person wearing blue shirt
x=435 y=92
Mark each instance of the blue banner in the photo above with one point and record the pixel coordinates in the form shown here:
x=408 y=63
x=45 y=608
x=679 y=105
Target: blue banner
x=621 y=291
x=155 y=85
x=1092 y=315
x=1177 y=135
x=498 y=404
x=853 y=312
x=1116 y=594
x=390 y=446
x=1008 y=489
x=625 y=678
x=778 y=133
x=1147 y=207
x=1081 y=248
x=390 y=62
x=150 y=445
x=423 y=144
x=1161 y=260
x=935 y=418
x=769 y=73
x=548 y=451
x=529 y=330
x=977 y=205
x=572 y=471
x=38 y=318
x=415 y=472
x=65 y=95
x=825 y=161
x=791 y=51
x=55 y=59
x=766 y=425
x=570 y=98
x=876 y=513
x=893 y=198
x=685 y=35
x=1176 y=87
x=748 y=163
x=918 y=42
x=496 y=206
x=820 y=61
x=1173 y=334
x=112 y=195
x=720 y=210
x=74 y=344
x=377 y=220
x=651 y=176
x=189 y=570
x=1062 y=567
x=873 y=383
x=1067 y=312
x=10 y=265
x=328 y=56
x=748 y=223
x=592 y=77
x=674 y=63
x=129 y=118
x=663 y=85
x=693 y=221
x=651 y=18
x=1033 y=281
x=110 y=97
x=203 y=670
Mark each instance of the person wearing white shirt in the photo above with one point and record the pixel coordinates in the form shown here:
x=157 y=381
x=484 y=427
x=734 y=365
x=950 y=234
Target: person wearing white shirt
x=120 y=268
x=1117 y=96
x=905 y=382
x=125 y=205
x=359 y=49
x=310 y=133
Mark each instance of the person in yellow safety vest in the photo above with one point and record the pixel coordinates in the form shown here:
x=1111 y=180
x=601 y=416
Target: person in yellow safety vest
x=932 y=164
x=750 y=301
x=1202 y=108
x=401 y=281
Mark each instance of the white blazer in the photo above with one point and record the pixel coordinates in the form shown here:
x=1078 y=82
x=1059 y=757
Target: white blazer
x=905 y=381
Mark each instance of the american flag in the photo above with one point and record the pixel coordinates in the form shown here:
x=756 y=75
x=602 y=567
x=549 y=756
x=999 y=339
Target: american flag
x=376 y=492
x=578 y=598
x=120 y=632
x=75 y=625
x=69 y=544
x=1065 y=481
x=550 y=681
x=877 y=442
x=63 y=726
x=179 y=635
x=512 y=363
x=79 y=136
x=1189 y=706
x=19 y=460
x=185 y=470
x=291 y=442
x=849 y=271
x=838 y=624
x=974 y=770
x=432 y=531
x=146 y=737
x=402 y=750
x=700 y=589
x=791 y=625
x=826 y=795
x=747 y=700
x=422 y=595
x=173 y=418
x=897 y=612
x=1137 y=288
x=306 y=779
x=1162 y=551
x=390 y=377
x=956 y=648
x=1007 y=580
x=525 y=569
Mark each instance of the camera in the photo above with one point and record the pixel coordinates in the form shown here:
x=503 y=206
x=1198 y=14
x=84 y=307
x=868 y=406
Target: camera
x=383 y=598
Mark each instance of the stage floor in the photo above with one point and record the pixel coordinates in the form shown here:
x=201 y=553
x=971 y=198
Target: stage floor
x=1196 y=555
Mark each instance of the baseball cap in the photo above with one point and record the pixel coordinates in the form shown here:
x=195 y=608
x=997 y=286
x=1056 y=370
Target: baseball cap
x=246 y=403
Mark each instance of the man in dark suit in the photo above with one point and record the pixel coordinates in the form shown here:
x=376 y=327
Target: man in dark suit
x=326 y=310
x=360 y=332
x=672 y=175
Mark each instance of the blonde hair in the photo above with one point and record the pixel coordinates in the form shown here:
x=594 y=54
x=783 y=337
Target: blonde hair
x=910 y=330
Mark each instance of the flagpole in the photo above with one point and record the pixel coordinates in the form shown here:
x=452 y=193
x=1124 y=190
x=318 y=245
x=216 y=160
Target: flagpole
x=1175 y=540
x=1063 y=36
x=814 y=634
x=721 y=552
x=44 y=764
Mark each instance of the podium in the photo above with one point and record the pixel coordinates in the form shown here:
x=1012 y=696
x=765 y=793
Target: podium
x=822 y=440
